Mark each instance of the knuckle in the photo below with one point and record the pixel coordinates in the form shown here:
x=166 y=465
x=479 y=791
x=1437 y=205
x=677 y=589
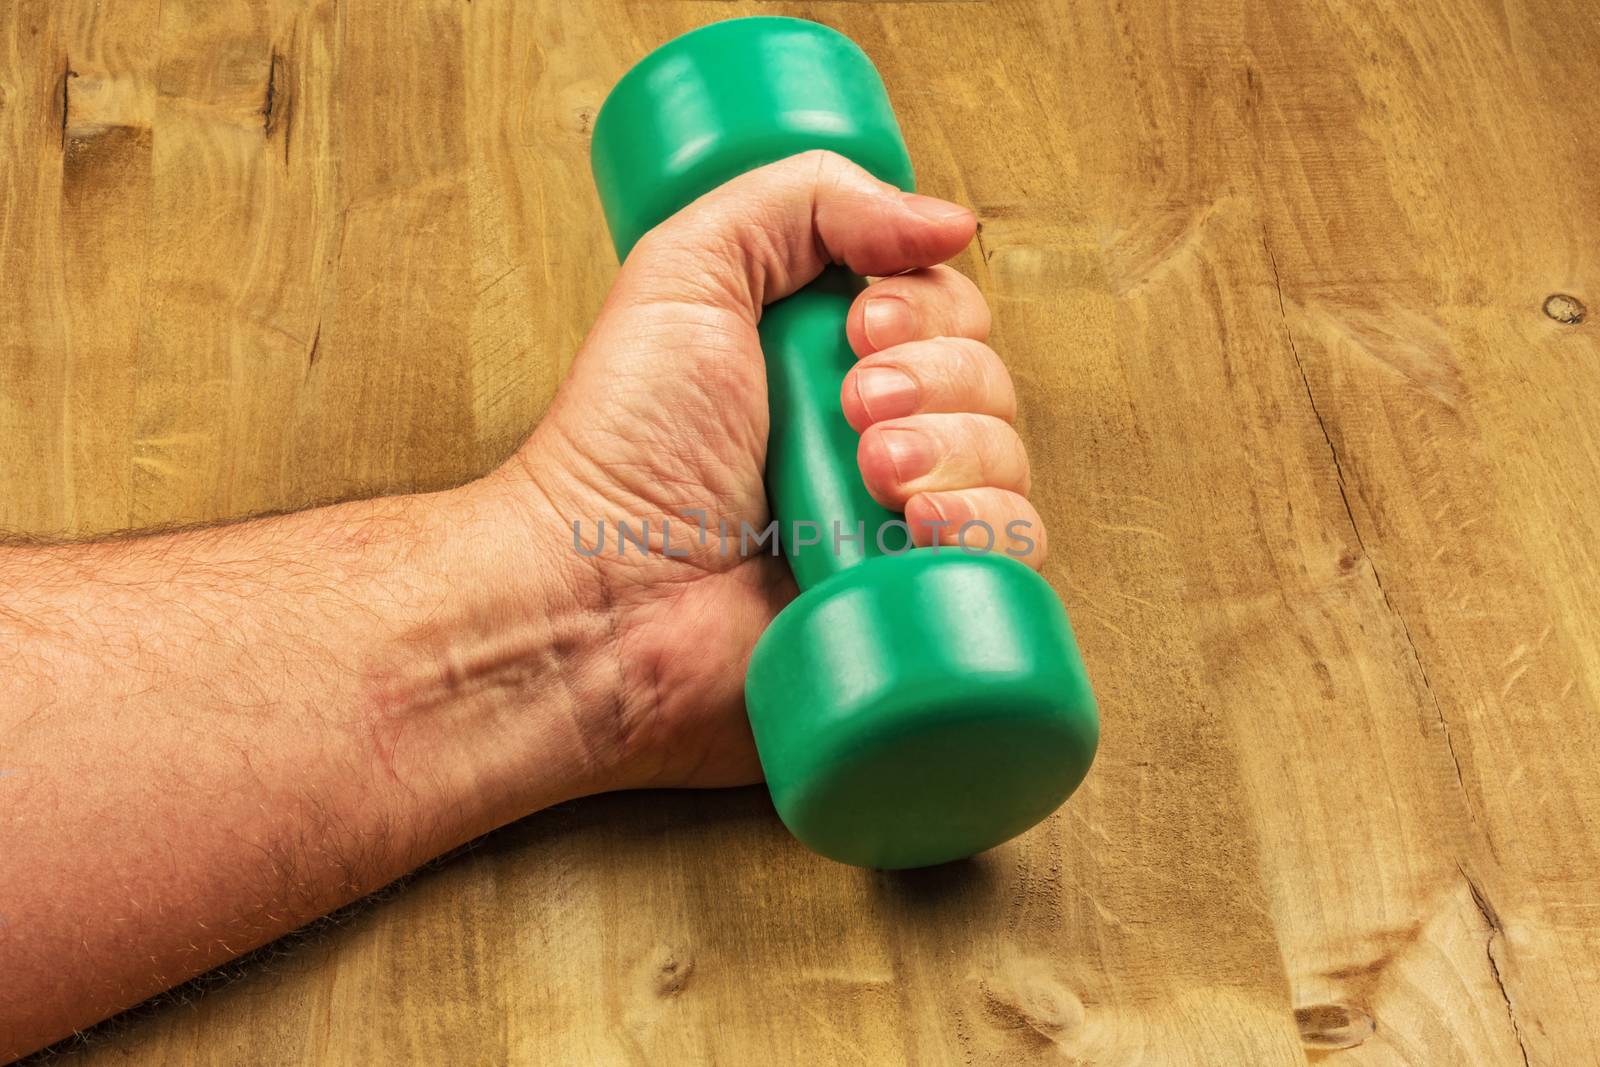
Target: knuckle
x=823 y=157
x=1024 y=469
x=826 y=168
x=1009 y=453
x=976 y=360
x=968 y=305
x=987 y=372
x=813 y=161
x=656 y=241
x=968 y=364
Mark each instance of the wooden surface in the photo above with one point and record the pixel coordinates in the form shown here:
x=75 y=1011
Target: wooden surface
x=1320 y=456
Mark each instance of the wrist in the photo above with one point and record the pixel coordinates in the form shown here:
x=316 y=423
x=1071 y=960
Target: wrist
x=500 y=694
x=520 y=666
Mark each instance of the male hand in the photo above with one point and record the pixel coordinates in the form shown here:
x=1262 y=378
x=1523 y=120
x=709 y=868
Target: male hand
x=665 y=414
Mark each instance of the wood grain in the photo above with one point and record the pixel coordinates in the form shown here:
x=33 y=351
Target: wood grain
x=1318 y=449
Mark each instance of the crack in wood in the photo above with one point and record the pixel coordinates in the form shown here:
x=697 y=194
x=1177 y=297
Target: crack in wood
x=277 y=112
x=316 y=342
x=1490 y=916
x=1355 y=528
x=65 y=99
x=1496 y=932
x=272 y=92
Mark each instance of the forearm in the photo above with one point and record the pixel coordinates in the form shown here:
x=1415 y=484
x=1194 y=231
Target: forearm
x=208 y=738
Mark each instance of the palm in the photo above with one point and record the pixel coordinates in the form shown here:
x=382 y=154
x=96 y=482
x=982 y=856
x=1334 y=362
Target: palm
x=660 y=446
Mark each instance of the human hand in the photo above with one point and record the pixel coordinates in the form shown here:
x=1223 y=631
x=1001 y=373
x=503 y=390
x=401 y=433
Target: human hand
x=302 y=708
x=665 y=416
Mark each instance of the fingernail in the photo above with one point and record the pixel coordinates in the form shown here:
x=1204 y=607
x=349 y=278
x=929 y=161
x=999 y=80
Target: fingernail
x=886 y=321
x=934 y=209
x=910 y=453
x=885 y=393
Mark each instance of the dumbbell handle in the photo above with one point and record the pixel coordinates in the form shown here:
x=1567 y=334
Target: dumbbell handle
x=702 y=109
x=827 y=520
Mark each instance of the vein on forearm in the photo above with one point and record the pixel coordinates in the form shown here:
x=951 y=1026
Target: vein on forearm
x=221 y=733
x=195 y=697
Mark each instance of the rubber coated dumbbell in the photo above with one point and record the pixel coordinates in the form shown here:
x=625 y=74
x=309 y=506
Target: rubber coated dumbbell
x=913 y=706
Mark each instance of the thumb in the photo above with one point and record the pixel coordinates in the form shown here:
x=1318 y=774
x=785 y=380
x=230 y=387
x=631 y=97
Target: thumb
x=770 y=231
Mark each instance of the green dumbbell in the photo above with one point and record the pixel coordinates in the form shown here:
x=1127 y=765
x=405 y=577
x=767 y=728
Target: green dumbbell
x=913 y=706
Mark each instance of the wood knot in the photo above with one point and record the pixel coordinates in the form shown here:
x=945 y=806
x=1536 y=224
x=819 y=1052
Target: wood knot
x=578 y=104
x=1333 y=1026
x=1567 y=310
x=668 y=970
x=1024 y=996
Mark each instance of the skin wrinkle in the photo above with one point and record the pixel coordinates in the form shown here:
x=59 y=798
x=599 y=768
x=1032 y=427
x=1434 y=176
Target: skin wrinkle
x=605 y=747
x=597 y=479
x=589 y=671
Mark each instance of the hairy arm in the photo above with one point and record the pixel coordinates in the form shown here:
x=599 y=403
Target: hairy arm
x=209 y=738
